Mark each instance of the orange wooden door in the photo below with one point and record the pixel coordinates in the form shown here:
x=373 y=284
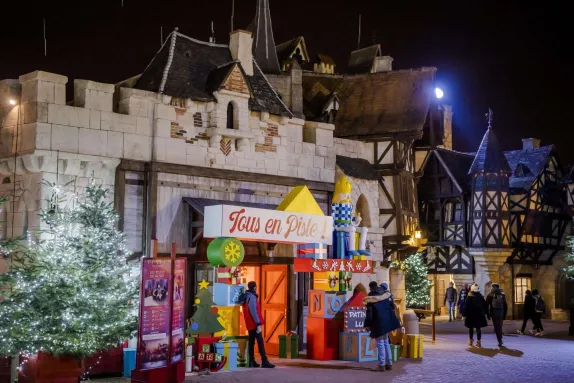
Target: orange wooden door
x=274 y=288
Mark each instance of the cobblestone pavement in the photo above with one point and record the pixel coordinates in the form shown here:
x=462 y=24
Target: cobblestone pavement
x=524 y=359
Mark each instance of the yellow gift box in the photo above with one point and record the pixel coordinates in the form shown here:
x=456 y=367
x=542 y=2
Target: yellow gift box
x=359 y=257
x=229 y=318
x=326 y=281
x=415 y=346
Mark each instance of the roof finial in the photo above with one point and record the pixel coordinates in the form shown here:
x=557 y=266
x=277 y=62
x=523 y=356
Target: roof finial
x=489 y=116
x=212 y=38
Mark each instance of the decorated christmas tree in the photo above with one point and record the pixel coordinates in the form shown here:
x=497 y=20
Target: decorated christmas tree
x=569 y=258
x=205 y=319
x=71 y=292
x=416 y=281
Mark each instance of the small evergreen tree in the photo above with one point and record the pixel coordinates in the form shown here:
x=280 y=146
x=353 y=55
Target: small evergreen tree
x=416 y=281
x=72 y=292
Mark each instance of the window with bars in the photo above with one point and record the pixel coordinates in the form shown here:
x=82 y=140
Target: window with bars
x=521 y=284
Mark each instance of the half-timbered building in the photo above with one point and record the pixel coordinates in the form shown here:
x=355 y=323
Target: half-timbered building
x=496 y=216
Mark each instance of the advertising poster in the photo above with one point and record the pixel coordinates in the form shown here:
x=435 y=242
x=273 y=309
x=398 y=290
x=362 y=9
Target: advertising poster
x=155 y=313
x=178 y=311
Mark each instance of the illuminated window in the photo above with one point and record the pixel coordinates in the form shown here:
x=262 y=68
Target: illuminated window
x=521 y=284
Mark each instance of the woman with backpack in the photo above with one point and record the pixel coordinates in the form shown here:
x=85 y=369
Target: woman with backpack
x=529 y=312
x=474 y=312
x=539 y=308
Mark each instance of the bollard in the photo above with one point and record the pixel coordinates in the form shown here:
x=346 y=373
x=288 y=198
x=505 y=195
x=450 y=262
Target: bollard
x=411 y=322
x=189 y=359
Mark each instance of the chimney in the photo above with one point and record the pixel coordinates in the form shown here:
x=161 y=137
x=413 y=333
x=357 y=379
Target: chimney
x=241 y=47
x=447 y=126
x=383 y=64
x=530 y=143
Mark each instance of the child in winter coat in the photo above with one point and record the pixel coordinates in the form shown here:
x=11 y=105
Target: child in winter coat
x=475 y=314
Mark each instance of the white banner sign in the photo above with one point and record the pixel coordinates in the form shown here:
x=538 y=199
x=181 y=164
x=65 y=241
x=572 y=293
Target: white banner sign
x=266 y=225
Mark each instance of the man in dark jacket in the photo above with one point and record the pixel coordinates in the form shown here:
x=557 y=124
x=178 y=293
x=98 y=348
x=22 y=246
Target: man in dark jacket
x=253 y=322
x=381 y=320
x=497 y=308
x=450 y=301
x=528 y=311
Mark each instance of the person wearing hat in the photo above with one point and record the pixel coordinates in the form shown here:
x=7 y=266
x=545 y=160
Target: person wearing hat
x=381 y=320
x=253 y=322
x=474 y=312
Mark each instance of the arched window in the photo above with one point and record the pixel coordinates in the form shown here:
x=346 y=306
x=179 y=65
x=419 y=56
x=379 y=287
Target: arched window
x=230 y=116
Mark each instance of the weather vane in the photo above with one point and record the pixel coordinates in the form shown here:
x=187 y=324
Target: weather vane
x=489 y=117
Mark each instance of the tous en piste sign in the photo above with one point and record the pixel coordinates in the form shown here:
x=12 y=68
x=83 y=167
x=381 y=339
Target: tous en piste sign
x=252 y=224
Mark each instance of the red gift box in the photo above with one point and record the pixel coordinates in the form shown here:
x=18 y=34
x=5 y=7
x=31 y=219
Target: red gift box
x=231 y=275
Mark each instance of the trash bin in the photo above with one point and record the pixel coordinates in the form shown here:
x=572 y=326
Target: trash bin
x=411 y=322
x=129 y=361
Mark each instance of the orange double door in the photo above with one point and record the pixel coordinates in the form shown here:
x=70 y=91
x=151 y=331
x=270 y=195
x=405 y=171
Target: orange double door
x=272 y=288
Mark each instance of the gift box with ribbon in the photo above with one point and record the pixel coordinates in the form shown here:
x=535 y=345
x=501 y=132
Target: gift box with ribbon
x=229 y=350
x=312 y=250
x=242 y=350
x=289 y=346
x=231 y=275
x=229 y=318
x=415 y=346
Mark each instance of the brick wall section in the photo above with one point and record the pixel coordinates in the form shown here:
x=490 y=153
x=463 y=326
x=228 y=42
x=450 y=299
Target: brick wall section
x=268 y=146
x=235 y=82
x=197 y=120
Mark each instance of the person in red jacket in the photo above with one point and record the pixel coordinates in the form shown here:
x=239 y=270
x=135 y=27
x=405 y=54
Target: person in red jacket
x=253 y=322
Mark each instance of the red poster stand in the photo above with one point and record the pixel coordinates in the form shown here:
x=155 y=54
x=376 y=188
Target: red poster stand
x=173 y=372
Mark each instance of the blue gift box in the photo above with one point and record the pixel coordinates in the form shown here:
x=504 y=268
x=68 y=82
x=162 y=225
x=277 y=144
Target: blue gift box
x=227 y=295
x=229 y=350
x=312 y=250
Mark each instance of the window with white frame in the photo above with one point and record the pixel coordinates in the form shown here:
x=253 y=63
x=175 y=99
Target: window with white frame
x=521 y=284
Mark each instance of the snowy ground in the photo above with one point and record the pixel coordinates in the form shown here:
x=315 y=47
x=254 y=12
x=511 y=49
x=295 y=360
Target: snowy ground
x=524 y=359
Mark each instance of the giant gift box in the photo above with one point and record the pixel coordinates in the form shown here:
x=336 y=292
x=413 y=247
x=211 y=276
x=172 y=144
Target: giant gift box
x=227 y=295
x=229 y=318
x=312 y=250
x=323 y=338
x=357 y=346
x=323 y=304
x=229 y=350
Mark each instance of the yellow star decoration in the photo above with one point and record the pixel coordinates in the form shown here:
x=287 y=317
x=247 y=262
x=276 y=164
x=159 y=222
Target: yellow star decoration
x=203 y=284
x=232 y=252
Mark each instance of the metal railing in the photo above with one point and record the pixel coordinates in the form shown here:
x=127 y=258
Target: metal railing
x=433 y=324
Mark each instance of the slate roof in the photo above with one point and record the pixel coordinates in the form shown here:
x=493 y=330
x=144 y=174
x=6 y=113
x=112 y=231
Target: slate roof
x=532 y=162
x=458 y=164
x=189 y=68
x=357 y=168
x=372 y=105
x=361 y=60
x=263 y=41
x=489 y=157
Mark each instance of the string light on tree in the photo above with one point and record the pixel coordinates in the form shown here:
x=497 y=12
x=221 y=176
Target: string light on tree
x=72 y=292
x=416 y=281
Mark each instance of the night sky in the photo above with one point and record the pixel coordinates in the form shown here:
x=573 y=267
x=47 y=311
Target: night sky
x=513 y=58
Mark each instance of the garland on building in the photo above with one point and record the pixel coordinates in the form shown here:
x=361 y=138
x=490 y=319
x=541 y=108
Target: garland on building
x=416 y=281
x=569 y=258
x=72 y=292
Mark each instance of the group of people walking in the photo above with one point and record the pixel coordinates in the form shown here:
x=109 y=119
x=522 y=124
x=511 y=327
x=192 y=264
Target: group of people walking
x=475 y=309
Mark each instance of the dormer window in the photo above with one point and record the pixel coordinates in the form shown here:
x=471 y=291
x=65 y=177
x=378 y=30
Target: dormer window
x=521 y=170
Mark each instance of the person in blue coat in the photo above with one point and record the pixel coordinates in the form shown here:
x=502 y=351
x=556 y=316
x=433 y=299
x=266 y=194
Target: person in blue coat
x=381 y=320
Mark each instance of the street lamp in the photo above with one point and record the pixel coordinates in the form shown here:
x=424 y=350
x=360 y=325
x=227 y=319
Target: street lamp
x=438 y=93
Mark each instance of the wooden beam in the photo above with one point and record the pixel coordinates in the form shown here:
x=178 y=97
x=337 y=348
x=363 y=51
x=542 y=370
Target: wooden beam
x=233 y=175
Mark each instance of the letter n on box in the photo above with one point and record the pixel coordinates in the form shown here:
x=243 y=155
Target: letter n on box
x=323 y=304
